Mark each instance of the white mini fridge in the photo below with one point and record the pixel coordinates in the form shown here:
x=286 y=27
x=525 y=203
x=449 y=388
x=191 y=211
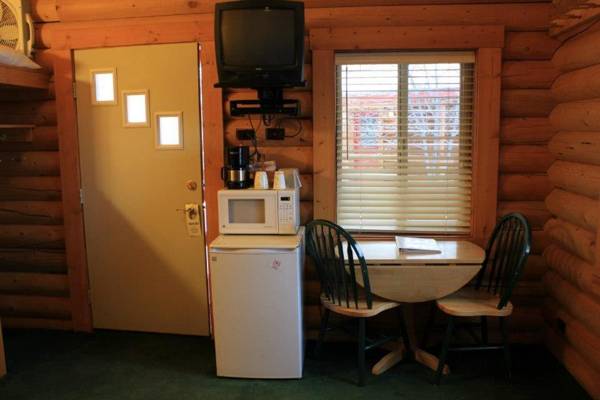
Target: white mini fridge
x=256 y=284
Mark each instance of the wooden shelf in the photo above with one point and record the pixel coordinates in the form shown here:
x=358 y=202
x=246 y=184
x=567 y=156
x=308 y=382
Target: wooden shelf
x=23 y=77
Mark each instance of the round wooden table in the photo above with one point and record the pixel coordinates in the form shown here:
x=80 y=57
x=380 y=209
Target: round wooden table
x=415 y=278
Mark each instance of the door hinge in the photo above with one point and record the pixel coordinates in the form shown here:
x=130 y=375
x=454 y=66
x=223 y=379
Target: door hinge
x=74 y=89
x=81 y=196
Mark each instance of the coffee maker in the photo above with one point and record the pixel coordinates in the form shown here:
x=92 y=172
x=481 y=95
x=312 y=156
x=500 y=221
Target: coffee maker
x=236 y=173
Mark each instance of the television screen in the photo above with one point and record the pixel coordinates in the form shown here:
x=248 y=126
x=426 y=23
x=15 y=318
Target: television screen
x=259 y=43
x=258 y=38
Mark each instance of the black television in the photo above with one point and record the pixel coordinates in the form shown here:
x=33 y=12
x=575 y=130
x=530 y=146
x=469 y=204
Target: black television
x=260 y=43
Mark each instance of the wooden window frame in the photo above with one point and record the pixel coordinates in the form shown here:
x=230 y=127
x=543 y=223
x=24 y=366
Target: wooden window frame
x=487 y=43
x=128 y=32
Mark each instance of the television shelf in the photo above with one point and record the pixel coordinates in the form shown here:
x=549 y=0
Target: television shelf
x=11 y=76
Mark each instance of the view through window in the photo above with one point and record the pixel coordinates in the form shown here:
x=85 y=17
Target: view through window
x=404 y=139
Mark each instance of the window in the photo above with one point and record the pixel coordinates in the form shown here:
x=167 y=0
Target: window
x=103 y=86
x=169 y=131
x=404 y=139
x=135 y=108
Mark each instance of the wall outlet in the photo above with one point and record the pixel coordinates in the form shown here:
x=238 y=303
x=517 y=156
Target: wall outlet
x=245 y=134
x=275 y=133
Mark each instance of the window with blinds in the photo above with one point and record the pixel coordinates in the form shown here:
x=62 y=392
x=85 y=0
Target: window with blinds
x=404 y=139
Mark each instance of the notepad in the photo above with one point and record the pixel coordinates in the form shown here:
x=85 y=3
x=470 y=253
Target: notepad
x=415 y=245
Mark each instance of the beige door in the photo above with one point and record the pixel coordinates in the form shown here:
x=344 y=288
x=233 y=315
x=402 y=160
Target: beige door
x=147 y=272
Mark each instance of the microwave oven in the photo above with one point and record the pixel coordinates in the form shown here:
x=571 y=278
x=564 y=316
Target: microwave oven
x=259 y=211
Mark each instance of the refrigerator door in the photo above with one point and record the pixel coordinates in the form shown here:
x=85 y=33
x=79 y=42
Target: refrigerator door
x=257 y=308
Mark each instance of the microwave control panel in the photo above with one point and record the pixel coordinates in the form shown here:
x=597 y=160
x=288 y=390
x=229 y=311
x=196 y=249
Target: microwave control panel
x=288 y=212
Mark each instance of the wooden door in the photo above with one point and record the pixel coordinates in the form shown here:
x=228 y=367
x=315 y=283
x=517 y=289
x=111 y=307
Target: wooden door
x=147 y=272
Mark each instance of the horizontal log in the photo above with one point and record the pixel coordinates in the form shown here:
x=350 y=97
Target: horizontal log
x=45 y=59
x=581 y=84
x=34 y=284
x=526 y=102
x=528 y=187
x=306 y=212
x=407 y=37
x=574 y=332
x=290 y=157
x=575 y=302
x=528 y=74
x=572 y=238
x=33 y=260
x=584 y=373
x=30 y=188
x=40 y=163
x=305 y=98
x=535 y=211
x=580 y=52
x=513 y=16
x=302 y=128
x=20 y=94
x=579 y=178
x=578 y=272
x=529 y=46
x=41 y=113
x=37 y=323
x=35 y=307
x=43 y=35
x=535 y=268
x=43 y=138
x=581 y=147
x=31 y=212
x=32 y=236
x=525 y=159
x=574 y=208
x=539 y=241
x=526 y=130
x=583 y=115
x=44 y=10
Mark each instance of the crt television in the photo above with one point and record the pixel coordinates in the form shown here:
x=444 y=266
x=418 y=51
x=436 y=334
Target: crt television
x=260 y=43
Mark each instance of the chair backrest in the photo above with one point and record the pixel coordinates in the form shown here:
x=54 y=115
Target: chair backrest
x=505 y=257
x=337 y=255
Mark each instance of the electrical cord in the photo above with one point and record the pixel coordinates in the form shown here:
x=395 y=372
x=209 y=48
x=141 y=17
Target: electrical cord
x=254 y=140
x=298 y=131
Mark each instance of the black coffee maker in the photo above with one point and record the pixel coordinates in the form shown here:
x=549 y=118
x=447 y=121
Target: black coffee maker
x=236 y=173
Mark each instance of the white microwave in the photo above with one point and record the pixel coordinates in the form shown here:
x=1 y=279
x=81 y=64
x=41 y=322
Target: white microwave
x=259 y=211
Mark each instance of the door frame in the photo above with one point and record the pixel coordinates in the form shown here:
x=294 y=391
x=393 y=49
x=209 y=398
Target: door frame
x=116 y=33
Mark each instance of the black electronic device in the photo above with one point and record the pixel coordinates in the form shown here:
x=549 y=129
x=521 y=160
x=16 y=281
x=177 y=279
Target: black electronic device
x=260 y=45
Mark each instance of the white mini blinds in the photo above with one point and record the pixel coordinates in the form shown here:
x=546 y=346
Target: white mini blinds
x=404 y=140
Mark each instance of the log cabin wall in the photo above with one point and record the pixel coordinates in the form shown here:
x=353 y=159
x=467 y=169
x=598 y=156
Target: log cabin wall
x=526 y=103
x=572 y=309
x=34 y=287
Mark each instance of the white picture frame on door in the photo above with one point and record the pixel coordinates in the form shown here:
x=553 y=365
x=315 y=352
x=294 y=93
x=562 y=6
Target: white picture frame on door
x=168 y=127
x=103 y=86
x=136 y=108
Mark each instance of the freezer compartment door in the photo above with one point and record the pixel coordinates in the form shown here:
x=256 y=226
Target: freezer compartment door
x=257 y=308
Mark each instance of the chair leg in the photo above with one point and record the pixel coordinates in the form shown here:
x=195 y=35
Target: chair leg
x=484 y=330
x=429 y=325
x=505 y=343
x=322 y=331
x=362 y=369
x=444 y=352
x=403 y=330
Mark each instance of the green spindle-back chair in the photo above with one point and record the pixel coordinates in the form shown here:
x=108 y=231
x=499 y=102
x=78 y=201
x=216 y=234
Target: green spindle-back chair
x=345 y=288
x=489 y=296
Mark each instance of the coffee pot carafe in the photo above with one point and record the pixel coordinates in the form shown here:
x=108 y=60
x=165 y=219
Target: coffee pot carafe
x=236 y=173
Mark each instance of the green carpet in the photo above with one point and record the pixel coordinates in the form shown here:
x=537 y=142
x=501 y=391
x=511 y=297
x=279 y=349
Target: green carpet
x=123 y=366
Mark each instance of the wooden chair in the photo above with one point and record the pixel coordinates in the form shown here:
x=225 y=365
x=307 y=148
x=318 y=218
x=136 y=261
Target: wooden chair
x=339 y=259
x=489 y=296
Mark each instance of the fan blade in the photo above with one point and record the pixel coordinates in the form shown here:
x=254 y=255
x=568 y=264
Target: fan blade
x=9 y=32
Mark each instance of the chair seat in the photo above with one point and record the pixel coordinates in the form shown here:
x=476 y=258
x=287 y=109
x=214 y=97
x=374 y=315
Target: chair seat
x=379 y=305
x=469 y=302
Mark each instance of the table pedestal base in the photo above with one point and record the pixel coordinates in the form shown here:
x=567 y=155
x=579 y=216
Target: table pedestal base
x=399 y=353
